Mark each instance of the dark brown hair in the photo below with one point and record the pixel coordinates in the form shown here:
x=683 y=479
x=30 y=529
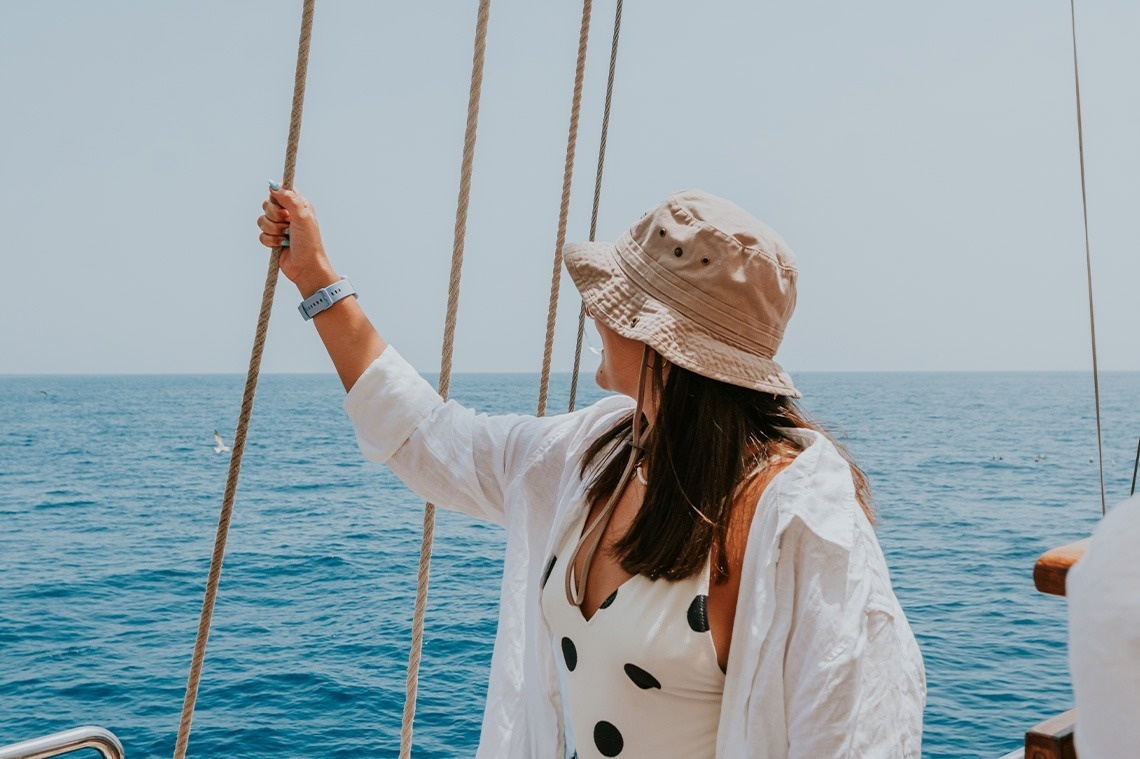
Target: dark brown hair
x=708 y=439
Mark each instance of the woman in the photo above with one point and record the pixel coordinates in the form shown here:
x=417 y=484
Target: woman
x=690 y=573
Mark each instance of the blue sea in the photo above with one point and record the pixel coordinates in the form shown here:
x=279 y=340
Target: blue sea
x=110 y=489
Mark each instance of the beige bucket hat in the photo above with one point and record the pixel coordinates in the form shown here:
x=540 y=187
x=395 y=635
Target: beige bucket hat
x=702 y=282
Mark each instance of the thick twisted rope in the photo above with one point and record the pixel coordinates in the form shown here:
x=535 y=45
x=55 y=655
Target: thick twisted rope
x=220 y=537
x=564 y=208
x=1088 y=259
x=597 y=200
x=414 y=656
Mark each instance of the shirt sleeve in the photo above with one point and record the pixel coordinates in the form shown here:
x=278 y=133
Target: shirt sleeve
x=853 y=676
x=444 y=452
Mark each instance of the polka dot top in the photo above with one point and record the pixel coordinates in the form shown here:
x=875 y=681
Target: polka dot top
x=641 y=675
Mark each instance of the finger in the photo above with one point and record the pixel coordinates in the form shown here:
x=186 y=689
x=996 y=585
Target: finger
x=272 y=227
x=274 y=211
x=292 y=202
x=273 y=241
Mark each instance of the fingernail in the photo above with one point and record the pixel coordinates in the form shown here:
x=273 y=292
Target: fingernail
x=273 y=185
x=286 y=232
x=285 y=243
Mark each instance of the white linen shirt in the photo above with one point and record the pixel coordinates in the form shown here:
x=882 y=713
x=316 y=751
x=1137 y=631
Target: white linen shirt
x=822 y=661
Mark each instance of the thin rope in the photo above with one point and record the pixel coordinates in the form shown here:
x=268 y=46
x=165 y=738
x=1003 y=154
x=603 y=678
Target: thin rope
x=220 y=537
x=1088 y=259
x=412 y=684
x=1135 y=467
x=597 y=200
x=577 y=357
x=564 y=209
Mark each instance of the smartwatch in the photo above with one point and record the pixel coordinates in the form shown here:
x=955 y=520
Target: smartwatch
x=325 y=298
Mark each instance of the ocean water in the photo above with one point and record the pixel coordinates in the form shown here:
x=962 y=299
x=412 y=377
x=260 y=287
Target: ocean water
x=109 y=493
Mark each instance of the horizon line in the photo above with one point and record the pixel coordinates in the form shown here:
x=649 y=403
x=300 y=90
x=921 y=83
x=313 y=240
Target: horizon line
x=332 y=373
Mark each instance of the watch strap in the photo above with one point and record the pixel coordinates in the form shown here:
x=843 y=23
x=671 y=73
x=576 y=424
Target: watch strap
x=325 y=297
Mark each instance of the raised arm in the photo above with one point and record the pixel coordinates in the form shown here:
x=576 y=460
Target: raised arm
x=446 y=453
x=350 y=339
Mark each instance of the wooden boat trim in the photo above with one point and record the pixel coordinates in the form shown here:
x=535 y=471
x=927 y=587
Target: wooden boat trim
x=1053 y=567
x=1053 y=738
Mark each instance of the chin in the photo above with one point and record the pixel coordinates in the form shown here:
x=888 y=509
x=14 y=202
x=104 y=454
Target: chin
x=600 y=380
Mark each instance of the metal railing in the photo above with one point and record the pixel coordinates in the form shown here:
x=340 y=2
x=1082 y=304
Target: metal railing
x=103 y=741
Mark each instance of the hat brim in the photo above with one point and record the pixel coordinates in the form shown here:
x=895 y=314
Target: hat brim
x=629 y=311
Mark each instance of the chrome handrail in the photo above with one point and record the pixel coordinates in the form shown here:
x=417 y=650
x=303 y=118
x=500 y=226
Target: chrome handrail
x=89 y=736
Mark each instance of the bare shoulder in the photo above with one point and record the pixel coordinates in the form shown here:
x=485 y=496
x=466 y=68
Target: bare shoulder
x=724 y=593
x=744 y=507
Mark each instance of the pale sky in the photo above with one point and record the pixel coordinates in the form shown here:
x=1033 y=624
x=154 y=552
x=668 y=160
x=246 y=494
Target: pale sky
x=920 y=158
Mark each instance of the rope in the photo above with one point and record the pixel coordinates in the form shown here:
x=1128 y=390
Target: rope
x=218 y=555
x=1088 y=258
x=1135 y=467
x=564 y=209
x=597 y=199
x=412 y=685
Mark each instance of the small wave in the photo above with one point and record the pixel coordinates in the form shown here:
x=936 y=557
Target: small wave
x=299 y=487
x=77 y=503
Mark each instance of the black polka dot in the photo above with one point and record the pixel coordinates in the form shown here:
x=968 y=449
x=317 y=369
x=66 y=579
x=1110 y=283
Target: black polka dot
x=570 y=653
x=609 y=600
x=699 y=614
x=608 y=739
x=549 y=568
x=641 y=678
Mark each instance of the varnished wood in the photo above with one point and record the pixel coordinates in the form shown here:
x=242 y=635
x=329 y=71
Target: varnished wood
x=1053 y=738
x=1053 y=567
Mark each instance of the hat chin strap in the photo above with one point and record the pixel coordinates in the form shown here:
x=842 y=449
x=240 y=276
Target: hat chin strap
x=576 y=590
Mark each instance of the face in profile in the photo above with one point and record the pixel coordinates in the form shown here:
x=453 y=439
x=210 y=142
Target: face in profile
x=621 y=362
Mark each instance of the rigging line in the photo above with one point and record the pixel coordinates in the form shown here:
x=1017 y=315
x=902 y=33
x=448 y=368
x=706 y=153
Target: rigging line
x=597 y=199
x=412 y=684
x=1135 y=466
x=224 y=518
x=1088 y=257
x=564 y=209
